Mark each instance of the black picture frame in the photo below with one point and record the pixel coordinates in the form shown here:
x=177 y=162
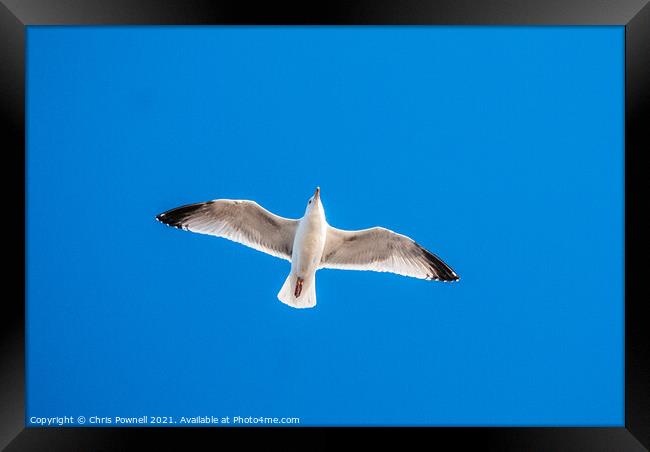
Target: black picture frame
x=16 y=15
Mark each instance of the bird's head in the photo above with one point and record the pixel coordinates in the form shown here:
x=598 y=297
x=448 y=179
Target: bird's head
x=314 y=204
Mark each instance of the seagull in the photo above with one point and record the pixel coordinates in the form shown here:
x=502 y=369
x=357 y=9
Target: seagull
x=309 y=243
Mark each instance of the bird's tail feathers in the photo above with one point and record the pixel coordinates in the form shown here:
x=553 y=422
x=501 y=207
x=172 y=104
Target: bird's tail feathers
x=307 y=292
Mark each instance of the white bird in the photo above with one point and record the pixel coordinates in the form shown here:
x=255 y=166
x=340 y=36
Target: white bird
x=308 y=243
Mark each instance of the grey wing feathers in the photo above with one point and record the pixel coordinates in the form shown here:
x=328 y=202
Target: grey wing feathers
x=241 y=221
x=382 y=250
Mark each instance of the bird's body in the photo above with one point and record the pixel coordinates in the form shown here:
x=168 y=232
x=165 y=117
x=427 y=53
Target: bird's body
x=309 y=243
x=308 y=246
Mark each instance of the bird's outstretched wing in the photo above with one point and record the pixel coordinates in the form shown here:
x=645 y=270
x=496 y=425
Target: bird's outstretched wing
x=382 y=250
x=241 y=221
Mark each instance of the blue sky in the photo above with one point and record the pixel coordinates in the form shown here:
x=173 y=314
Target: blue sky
x=499 y=149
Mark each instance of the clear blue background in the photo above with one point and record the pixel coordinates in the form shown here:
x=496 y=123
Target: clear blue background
x=499 y=149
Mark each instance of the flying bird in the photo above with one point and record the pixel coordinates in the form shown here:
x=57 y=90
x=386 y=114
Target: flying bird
x=309 y=243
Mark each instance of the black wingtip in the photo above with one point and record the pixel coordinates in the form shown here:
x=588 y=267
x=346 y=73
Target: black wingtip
x=164 y=220
x=169 y=220
x=178 y=217
x=439 y=270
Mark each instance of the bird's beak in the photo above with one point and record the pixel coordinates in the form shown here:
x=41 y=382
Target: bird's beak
x=317 y=193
